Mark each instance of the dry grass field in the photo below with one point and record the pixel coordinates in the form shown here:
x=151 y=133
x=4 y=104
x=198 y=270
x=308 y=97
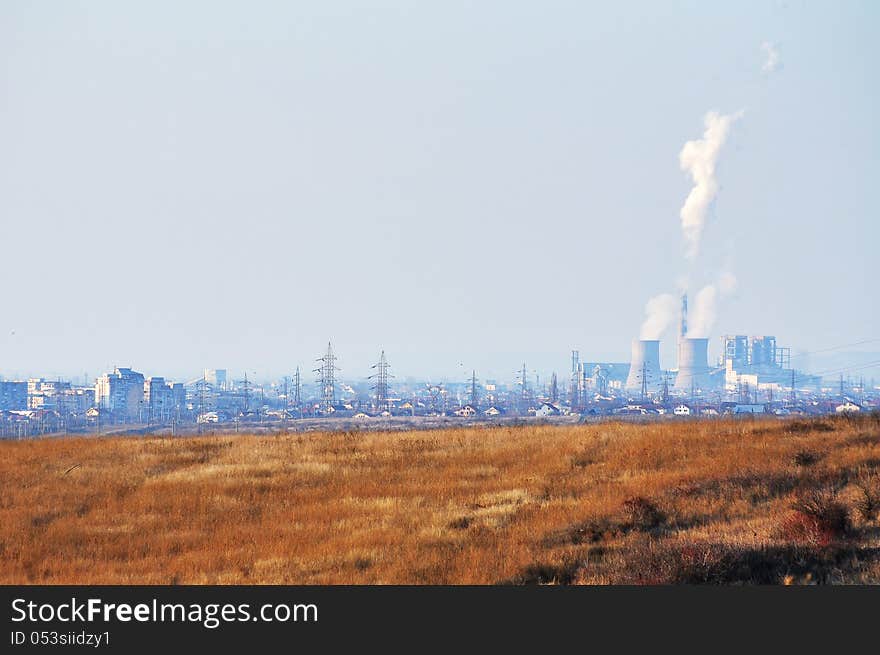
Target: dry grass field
x=719 y=502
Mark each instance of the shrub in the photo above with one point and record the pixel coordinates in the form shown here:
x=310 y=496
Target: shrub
x=548 y=574
x=868 y=502
x=642 y=513
x=809 y=425
x=818 y=519
x=806 y=458
x=461 y=523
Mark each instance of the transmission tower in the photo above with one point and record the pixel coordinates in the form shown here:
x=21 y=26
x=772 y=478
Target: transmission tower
x=297 y=393
x=575 y=380
x=437 y=398
x=524 y=393
x=475 y=398
x=286 y=409
x=201 y=388
x=381 y=386
x=245 y=395
x=327 y=379
x=601 y=376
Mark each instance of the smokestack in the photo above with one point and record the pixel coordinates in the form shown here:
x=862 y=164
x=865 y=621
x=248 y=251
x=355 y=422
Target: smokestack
x=693 y=364
x=683 y=332
x=645 y=363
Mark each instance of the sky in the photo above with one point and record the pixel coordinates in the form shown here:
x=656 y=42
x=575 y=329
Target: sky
x=464 y=185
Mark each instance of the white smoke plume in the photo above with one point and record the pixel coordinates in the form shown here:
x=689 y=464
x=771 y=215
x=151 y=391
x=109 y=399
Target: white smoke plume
x=702 y=311
x=772 y=62
x=698 y=158
x=704 y=307
x=727 y=283
x=660 y=311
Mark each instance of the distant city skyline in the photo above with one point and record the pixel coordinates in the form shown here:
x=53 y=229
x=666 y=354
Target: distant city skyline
x=466 y=188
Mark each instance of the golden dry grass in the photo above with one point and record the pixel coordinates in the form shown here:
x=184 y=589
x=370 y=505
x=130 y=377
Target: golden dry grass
x=690 y=501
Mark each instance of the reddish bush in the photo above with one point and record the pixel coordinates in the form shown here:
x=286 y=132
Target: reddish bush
x=818 y=518
x=801 y=528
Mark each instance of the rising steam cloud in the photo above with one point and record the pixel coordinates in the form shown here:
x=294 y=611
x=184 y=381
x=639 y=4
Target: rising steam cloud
x=772 y=61
x=704 y=307
x=660 y=311
x=698 y=158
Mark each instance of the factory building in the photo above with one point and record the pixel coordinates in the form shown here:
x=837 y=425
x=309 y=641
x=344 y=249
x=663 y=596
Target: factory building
x=600 y=377
x=216 y=377
x=741 y=352
x=734 y=351
x=755 y=364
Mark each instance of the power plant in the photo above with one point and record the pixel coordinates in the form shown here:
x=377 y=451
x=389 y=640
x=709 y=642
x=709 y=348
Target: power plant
x=747 y=365
x=693 y=373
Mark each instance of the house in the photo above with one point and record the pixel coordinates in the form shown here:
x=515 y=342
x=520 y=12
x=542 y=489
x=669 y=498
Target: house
x=631 y=410
x=361 y=415
x=682 y=410
x=492 y=411
x=208 y=417
x=848 y=406
x=467 y=411
x=547 y=409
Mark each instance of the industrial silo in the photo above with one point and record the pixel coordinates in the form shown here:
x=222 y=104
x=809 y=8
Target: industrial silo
x=645 y=364
x=693 y=364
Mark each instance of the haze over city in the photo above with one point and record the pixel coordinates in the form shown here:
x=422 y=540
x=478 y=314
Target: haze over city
x=465 y=187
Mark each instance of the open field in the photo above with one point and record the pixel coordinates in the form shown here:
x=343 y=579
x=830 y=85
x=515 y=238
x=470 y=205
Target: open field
x=728 y=501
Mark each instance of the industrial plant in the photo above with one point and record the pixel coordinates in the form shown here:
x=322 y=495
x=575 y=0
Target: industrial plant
x=752 y=375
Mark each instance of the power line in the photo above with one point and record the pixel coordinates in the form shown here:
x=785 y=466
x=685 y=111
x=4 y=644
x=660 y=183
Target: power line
x=826 y=350
x=854 y=367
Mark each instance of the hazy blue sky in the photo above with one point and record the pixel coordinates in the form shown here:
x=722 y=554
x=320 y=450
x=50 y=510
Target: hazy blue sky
x=466 y=185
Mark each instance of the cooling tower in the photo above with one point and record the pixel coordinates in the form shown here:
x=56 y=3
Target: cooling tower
x=693 y=364
x=645 y=360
